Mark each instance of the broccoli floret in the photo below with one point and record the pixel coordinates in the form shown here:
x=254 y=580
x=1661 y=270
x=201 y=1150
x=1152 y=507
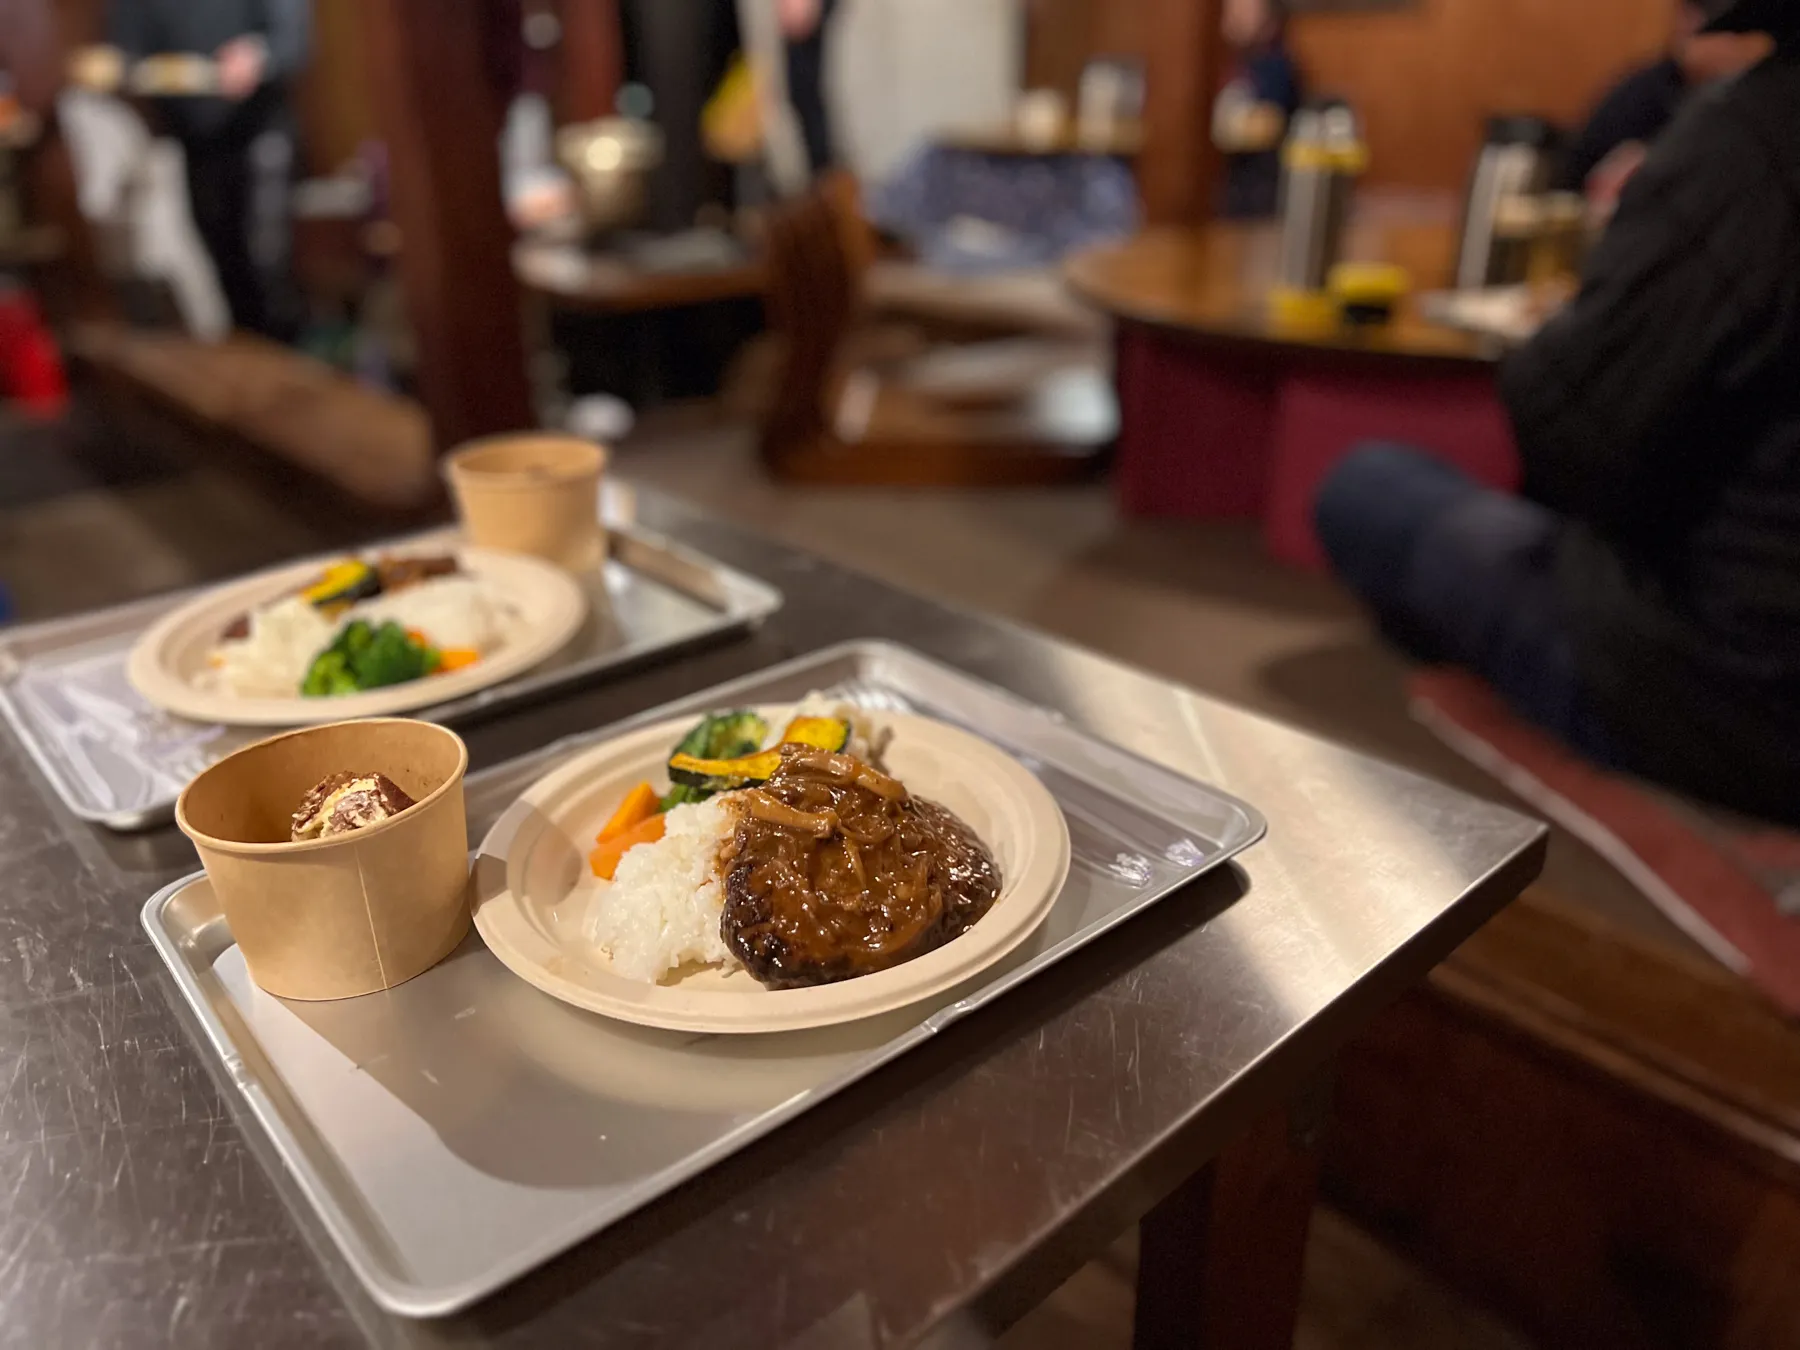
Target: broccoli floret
x=364 y=657
x=694 y=743
x=328 y=676
x=391 y=657
x=733 y=734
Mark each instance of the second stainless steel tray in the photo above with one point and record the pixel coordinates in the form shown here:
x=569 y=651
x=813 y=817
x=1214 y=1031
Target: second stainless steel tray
x=466 y=1092
x=117 y=761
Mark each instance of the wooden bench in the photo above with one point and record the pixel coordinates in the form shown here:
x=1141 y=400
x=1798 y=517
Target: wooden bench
x=1594 y=1134
x=373 y=447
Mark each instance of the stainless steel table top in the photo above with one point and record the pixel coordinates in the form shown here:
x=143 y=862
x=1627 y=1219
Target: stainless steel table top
x=941 y=1197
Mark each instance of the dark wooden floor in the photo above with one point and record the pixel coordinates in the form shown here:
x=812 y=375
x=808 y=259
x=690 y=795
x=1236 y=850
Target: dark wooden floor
x=1358 y=1296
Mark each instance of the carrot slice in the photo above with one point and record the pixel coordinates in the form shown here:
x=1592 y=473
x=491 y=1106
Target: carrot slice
x=639 y=805
x=455 y=658
x=605 y=859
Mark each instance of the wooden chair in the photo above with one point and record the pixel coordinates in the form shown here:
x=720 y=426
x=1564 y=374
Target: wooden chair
x=1013 y=304
x=856 y=403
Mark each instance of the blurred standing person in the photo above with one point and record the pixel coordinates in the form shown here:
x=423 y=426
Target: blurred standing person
x=1642 y=599
x=1636 y=110
x=803 y=25
x=258 y=47
x=1251 y=114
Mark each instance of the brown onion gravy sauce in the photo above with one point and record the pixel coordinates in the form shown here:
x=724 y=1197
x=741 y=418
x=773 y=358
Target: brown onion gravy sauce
x=835 y=870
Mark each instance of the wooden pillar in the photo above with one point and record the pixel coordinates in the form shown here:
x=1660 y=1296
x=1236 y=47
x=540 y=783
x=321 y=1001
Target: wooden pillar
x=1221 y=1260
x=593 y=60
x=438 y=104
x=334 y=95
x=1178 y=168
x=34 y=38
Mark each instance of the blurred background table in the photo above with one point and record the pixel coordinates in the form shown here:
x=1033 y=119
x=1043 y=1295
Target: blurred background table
x=1227 y=410
x=1123 y=142
x=625 y=281
x=646 y=317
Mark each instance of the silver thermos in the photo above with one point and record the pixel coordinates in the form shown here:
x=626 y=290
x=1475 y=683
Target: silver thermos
x=1514 y=162
x=1323 y=157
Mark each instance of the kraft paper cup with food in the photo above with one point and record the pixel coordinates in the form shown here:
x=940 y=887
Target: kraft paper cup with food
x=536 y=494
x=351 y=914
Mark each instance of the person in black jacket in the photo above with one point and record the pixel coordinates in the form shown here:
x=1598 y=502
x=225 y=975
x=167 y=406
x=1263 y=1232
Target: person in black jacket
x=1642 y=599
x=1640 y=107
x=258 y=46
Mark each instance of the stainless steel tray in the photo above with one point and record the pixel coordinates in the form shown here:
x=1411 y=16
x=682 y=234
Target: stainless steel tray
x=466 y=1092
x=120 y=762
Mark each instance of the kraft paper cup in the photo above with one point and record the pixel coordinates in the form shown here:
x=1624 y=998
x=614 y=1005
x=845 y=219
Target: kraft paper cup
x=334 y=918
x=528 y=493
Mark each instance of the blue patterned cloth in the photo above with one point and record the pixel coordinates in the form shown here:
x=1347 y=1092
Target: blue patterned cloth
x=969 y=212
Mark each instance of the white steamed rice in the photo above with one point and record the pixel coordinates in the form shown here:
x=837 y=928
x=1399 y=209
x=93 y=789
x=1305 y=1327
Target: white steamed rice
x=868 y=739
x=661 y=910
x=271 y=661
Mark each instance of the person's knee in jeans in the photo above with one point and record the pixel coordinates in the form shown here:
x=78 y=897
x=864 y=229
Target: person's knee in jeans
x=1372 y=508
x=1456 y=573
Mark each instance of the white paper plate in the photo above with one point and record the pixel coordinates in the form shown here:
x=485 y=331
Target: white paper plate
x=533 y=886
x=168 y=659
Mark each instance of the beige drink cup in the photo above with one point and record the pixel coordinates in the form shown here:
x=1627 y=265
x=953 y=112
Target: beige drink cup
x=535 y=493
x=351 y=913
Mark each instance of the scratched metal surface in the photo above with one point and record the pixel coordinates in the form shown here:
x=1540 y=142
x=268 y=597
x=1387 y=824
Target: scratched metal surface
x=937 y=1199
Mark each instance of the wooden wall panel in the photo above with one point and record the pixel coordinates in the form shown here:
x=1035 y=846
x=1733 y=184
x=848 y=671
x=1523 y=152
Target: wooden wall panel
x=1062 y=36
x=1425 y=78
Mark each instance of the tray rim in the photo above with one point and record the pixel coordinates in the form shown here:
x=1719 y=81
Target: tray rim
x=748 y=602
x=416 y=1300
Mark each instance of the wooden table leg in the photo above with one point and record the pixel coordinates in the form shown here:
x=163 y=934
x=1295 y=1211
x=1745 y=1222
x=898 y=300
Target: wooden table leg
x=1221 y=1259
